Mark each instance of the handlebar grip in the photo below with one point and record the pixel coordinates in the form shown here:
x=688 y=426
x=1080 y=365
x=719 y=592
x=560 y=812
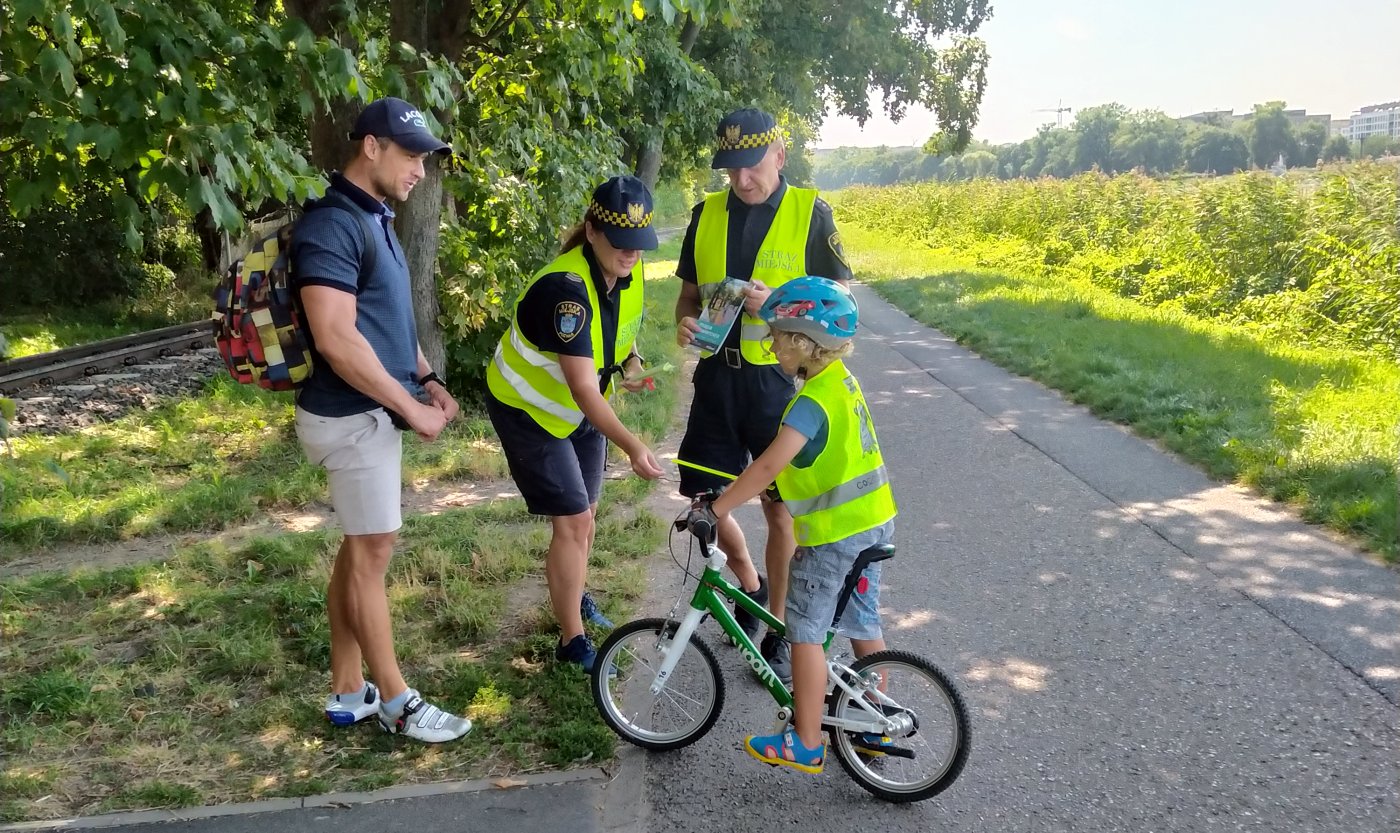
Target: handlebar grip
x=703 y=529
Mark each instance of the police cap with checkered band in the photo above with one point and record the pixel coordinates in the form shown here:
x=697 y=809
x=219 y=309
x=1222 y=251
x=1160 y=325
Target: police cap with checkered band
x=621 y=208
x=744 y=137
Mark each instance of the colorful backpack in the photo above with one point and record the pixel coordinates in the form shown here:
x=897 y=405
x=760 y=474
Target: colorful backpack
x=258 y=323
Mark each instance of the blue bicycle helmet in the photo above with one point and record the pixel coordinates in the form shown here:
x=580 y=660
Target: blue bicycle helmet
x=821 y=309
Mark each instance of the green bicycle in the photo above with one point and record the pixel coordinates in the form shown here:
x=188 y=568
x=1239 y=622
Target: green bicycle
x=894 y=720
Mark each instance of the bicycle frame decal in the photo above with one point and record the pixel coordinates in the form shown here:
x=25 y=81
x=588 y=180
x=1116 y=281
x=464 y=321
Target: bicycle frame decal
x=709 y=598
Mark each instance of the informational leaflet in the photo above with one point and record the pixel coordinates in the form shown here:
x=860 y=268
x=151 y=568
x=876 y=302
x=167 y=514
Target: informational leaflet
x=724 y=306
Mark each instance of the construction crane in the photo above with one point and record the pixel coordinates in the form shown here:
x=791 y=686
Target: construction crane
x=1059 y=112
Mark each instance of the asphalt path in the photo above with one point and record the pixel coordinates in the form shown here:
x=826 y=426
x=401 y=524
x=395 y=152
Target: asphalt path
x=1142 y=649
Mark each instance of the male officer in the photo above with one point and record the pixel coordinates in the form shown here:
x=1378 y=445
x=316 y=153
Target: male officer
x=767 y=232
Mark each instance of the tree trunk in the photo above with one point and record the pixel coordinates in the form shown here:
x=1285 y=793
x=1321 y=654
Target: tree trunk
x=649 y=160
x=211 y=240
x=690 y=32
x=437 y=27
x=649 y=150
x=417 y=225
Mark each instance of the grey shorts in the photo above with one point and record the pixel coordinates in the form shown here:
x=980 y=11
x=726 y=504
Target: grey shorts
x=814 y=587
x=362 y=455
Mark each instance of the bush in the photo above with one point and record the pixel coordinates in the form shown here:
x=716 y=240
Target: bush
x=65 y=254
x=73 y=255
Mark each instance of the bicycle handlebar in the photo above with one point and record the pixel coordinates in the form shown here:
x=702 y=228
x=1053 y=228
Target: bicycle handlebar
x=700 y=520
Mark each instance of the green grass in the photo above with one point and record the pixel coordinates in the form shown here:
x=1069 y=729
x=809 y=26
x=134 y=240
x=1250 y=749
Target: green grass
x=229 y=455
x=1316 y=428
x=199 y=679
x=198 y=464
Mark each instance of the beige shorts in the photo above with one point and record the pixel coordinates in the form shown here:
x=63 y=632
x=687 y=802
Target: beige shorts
x=362 y=455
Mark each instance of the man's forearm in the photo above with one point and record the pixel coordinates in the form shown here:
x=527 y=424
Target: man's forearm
x=354 y=360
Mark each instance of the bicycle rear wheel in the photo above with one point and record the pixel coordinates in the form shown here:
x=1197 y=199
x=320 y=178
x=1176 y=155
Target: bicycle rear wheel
x=915 y=764
x=685 y=709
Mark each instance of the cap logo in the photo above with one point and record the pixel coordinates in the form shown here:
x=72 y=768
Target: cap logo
x=413 y=116
x=735 y=140
x=637 y=215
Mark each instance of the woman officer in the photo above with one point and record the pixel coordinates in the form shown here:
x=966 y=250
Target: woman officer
x=574 y=329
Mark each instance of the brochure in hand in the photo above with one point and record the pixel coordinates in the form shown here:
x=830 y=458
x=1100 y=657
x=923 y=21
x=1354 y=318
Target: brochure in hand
x=721 y=310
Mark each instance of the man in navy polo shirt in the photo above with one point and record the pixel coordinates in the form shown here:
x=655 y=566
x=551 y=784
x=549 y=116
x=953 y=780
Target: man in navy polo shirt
x=350 y=273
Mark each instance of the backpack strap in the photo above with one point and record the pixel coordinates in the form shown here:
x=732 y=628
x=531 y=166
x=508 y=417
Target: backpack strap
x=335 y=199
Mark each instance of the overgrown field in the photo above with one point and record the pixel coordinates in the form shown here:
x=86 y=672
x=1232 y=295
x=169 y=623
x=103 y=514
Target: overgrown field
x=1247 y=323
x=1310 y=259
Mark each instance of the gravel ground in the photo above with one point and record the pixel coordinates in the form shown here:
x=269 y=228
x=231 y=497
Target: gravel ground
x=79 y=403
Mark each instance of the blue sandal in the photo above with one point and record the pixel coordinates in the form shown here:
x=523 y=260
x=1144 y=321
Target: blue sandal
x=787 y=750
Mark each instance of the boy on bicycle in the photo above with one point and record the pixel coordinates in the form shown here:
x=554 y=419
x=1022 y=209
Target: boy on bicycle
x=827 y=467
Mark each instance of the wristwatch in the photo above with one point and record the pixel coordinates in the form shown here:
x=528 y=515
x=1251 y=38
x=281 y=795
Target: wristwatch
x=431 y=377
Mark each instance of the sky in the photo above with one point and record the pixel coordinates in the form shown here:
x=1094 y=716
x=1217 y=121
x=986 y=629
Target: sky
x=1180 y=57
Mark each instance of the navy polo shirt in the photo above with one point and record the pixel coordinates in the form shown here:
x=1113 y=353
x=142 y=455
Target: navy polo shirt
x=328 y=246
x=749 y=224
x=548 y=314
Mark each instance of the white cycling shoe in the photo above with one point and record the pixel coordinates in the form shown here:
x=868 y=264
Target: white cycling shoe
x=423 y=721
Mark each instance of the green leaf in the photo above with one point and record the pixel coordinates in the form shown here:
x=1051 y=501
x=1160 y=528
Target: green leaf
x=110 y=27
x=7 y=407
x=73 y=139
x=65 y=33
x=106 y=140
x=59 y=472
x=201 y=194
x=55 y=66
x=29 y=9
x=226 y=214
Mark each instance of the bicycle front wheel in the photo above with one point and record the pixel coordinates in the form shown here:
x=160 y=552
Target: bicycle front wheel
x=927 y=756
x=686 y=707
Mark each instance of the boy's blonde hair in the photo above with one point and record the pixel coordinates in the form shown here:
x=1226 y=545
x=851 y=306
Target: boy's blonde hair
x=816 y=357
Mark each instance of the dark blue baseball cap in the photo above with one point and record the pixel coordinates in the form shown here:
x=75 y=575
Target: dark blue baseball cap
x=401 y=123
x=744 y=137
x=621 y=208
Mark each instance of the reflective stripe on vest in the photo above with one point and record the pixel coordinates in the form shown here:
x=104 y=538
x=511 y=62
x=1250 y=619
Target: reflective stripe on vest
x=846 y=489
x=781 y=257
x=525 y=377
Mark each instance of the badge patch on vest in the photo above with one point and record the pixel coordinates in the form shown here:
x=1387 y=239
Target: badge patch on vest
x=569 y=318
x=834 y=242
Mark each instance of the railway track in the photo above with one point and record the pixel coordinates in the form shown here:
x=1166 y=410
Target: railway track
x=86 y=360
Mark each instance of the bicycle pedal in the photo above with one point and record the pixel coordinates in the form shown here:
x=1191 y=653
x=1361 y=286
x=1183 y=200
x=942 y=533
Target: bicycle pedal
x=879 y=750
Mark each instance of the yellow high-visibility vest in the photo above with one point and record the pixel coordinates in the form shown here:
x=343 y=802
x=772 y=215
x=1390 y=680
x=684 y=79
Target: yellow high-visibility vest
x=781 y=257
x=524 y=376
x=846 y=489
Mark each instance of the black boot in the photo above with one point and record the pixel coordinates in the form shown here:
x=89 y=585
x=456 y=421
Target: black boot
x=748 y=622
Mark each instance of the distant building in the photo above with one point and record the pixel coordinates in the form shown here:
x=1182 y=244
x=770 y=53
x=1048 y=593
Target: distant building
x=1340 y=127
x=1381 y=119
x=1221 y=117
x=1228 y=117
